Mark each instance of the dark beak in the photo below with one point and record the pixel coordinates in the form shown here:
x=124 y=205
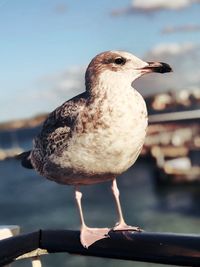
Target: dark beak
x=159 y=67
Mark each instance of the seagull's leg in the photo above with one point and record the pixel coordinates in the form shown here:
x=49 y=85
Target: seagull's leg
x=120 y=225
x=78 y=196
x=88 y=235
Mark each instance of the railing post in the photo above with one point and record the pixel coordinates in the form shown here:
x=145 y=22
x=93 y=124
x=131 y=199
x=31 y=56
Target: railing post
x=36 y=262
x=7 y=231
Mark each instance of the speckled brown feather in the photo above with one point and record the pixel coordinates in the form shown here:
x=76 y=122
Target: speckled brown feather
x=56 y=131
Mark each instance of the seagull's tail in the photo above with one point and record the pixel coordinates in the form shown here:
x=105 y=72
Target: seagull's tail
x=25 y=159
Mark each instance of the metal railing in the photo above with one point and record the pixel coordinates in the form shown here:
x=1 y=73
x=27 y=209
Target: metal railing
x=165 y=248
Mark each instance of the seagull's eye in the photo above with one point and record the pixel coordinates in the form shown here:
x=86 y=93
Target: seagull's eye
x=120 y=61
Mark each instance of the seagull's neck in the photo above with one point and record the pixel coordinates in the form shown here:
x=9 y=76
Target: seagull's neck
x=111 y=86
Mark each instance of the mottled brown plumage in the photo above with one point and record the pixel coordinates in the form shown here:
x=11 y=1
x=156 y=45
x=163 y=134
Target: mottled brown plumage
x=56 y=132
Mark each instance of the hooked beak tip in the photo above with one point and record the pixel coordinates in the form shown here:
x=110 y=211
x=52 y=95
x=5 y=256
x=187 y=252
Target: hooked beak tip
x=159 y=67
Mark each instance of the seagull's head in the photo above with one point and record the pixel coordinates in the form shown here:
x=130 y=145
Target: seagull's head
x=120 y=66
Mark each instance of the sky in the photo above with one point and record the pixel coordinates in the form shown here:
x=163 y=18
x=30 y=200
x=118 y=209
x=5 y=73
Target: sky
x=46 y=45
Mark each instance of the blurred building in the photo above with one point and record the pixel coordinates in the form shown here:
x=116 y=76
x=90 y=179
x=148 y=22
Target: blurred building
x=174 y=101
x=175 y=146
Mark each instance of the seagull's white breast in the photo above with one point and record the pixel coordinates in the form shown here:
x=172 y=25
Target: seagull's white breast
x=109 y=134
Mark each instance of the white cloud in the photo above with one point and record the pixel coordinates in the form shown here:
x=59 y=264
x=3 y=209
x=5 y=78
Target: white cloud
x=161 y=4
x=185 y=61
x=152 y=6
x=170 y=49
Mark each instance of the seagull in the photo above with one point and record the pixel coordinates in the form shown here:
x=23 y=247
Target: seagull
x=97 y=135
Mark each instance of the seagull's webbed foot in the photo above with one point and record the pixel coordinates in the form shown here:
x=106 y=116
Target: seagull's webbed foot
x=89 y=236
x=124 y=227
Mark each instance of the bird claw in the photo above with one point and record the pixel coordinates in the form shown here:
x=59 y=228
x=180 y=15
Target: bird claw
x=88 y=236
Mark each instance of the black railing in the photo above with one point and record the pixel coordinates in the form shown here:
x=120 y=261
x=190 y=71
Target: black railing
x=165 y=248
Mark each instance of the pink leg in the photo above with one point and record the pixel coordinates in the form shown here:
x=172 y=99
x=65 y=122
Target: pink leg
x=88 y=235
x=121 y=225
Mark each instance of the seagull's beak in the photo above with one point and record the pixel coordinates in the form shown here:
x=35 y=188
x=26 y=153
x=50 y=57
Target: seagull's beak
x=159 y=67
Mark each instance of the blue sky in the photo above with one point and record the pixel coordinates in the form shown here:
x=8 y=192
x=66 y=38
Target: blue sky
x=41 y=41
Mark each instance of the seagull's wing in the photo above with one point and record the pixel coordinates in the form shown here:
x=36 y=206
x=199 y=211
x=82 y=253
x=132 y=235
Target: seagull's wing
x=58 y=125
x=55 y=132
